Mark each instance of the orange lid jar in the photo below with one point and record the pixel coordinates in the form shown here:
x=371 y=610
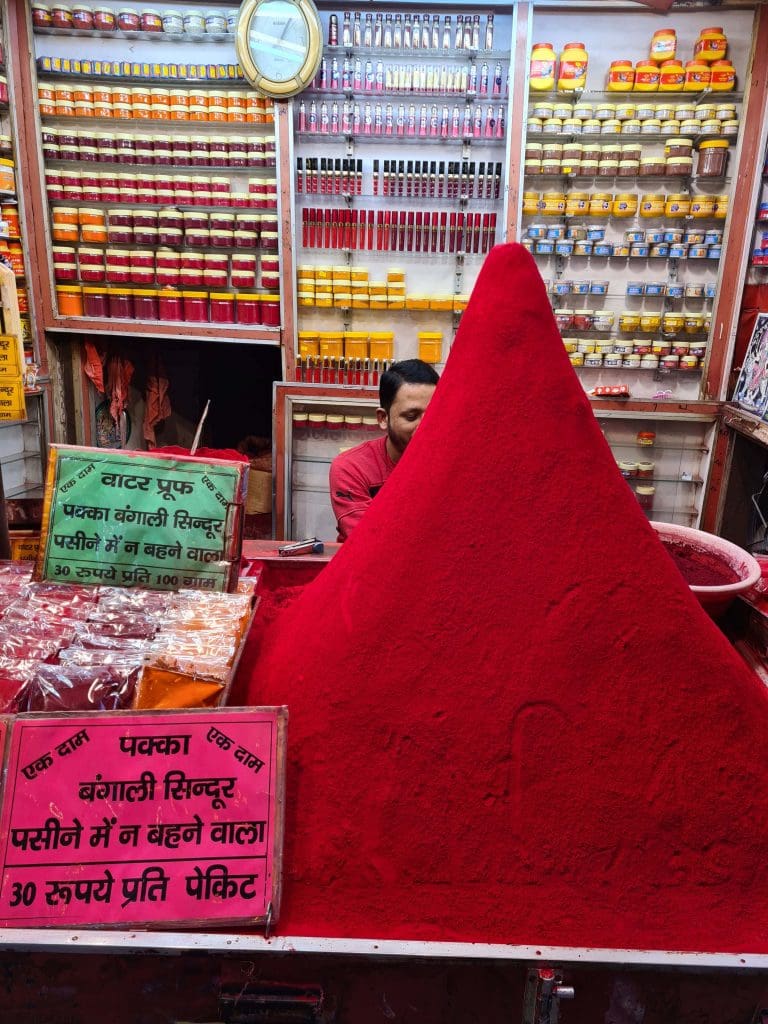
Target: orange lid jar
x=646 y=76
x=663 y=45
x=711 y=45
x=723 y=76
x=671 y=76
x=542 y=67
x=697 y=76
x=621 y=76
x=69 y=299
x=572 y=76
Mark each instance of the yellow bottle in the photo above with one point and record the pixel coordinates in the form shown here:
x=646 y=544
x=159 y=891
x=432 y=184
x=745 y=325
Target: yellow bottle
x=572 y=76
x=711 y=45
x=621 y=76
x=663 y=45
x=646 y=76
x=723 y=76
x=542 y=68
x=697 y=76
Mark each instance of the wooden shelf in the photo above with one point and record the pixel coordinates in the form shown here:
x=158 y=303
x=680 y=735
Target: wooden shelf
x=243 y=334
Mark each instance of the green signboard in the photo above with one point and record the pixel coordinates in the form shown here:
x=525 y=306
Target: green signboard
x=156 y=521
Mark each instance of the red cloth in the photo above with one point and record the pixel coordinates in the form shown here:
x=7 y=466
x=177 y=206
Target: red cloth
x=93 y=366
x=157 y=405
x=355 y=478
x=510 y=720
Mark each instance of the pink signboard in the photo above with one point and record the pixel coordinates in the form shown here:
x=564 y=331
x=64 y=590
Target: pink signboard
x=171 y=817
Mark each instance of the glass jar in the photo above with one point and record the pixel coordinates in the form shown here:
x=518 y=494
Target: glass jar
x=169 y=304
x=82 y=17
x=713 y=158
x=195 y=306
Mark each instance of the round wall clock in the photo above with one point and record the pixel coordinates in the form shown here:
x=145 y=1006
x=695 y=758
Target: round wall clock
x=279 y=45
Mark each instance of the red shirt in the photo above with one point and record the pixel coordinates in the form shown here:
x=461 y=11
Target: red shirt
x=356 y=477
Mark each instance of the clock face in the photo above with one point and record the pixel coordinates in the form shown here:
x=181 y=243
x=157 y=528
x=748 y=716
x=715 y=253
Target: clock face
x=278 y=38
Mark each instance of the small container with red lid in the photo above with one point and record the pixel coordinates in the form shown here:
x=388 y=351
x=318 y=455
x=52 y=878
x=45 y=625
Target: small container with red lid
x=221 y=221
x=243 y=278
x=142 y=276
x=143 y=259
x=61 y=16
x=198 y=238
x=41 y=16
x=195 y=220
x=64 y=272
x=165 y=196
x=223 y=238
x=245 y=239
x=240 y=200
x=151 y=21
x=215 y=279
x=245 y=261
x=145 y=235
x=64 y=254
x=220 y=185
x=257 y=190
x=170 y=236
x=249 y=222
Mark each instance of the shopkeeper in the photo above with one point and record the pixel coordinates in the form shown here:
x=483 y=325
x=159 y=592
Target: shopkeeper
x=356 y=476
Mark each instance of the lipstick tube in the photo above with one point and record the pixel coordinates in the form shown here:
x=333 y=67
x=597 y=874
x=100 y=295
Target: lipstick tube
x=305 y=227
x=401 y=231
x=476 y=232
x=356 y=222
x=443 y=225
x=299 y=175
x=379 y=230
x=298 y=374
x=418 y=230
x=366 y=373
x=435 y=222
x=409 y=236
x=452 y=232
x=326 y=373
x=369 y=244
x=460 y=240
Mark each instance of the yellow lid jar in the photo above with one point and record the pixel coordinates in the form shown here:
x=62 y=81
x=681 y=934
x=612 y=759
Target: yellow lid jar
x=721 y=207
x=542 y=67
x=646 y=76
x=711 y=45
x=697 y=76
x=530 y=202
x=677 y=204
x=576 y=203
x=430 y=346
x=625 y=204
x=652 y=205
x=650 y=322
x=572 y=76
x=382 y=345
x=600 y=204
x=703 y=206
x=553 y=203
x=673 y=323
x=621 y=76
x=629 y=322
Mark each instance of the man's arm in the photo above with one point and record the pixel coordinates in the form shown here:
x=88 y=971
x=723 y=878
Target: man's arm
x=350 y=496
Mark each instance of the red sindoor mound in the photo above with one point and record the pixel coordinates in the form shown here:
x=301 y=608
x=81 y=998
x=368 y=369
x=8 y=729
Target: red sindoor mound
x=510 y=721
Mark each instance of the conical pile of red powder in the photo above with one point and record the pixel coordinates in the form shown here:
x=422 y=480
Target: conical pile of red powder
x=510 y=721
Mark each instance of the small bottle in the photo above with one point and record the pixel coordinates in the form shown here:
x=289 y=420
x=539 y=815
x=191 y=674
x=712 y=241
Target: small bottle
x=483 y=91
x=467 y=44
x=489 y=32
x=490 y=123
x=379 y=77
x=407 y=32
x=397 y=33
x=416 y=33
x=346 y=30
x=475 y=33
x=378 y=31
x=302 y=116
x=400 y=121
x=378 y=120
x=322 y=78
x=369 y=80
x=497 y=80
x=333 y=30
x=423 y=121
x=411 y=122
x=388 y=32
x=455 y=123
x=389 y=121
x=346 y=117
x=500 y=123
x=334 y=118
x=357 y=78
x=425 y=33
x=466 y=127
x=459 y=39
x=368 y=30
x=477 y=121
x=335 y=79
x=325 y=120
x=435 y=42
x=346 y=74
x=357 y=122
x=445 y=120
x=357 y=34
x=472 y=82
x=312 y=119
x=447 y=37
x=443 y=86
x=367 y=119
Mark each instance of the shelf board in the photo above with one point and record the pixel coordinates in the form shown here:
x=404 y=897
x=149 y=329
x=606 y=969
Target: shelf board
x=166 y=127
x=650 y=448
x=745 y=423
x=634 y=94
x=417 y=140
x=428 y=53
x=244 y=334
x=160 y=37
x=122 y=168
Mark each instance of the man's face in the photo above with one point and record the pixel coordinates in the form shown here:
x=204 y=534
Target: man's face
x=405 y=414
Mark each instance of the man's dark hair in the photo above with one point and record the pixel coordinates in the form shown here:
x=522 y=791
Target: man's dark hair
x=408 y=371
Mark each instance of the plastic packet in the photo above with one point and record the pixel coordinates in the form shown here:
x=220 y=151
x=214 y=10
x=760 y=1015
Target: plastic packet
x=86 y=638
x=13 y=686
x=96 y=656
x=191 y=665
x=14 y=647
x=152 y=602
x=82 y=688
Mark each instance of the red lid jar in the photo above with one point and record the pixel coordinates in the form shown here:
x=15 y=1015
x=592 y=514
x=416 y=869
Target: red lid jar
x=128 y=20
x=167 y=259
x=167 y=277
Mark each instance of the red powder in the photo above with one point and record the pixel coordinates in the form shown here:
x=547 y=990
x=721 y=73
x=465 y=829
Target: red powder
x=700 y=568
x=507 y=722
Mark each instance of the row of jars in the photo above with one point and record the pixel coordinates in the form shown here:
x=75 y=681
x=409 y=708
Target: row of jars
x=238 y=151
x=628 y=322
x=142 y=102
x=158 y=189
x=189 y=228
x=629 y=347
x=651 y=124
x=165 y=267
x=625 y=204
x=135 y=69
x=671 y=76
x=621 y=250
x=632 y=109
x=635 y=361
x=562 y=286
x=86 y=18
x=168 y=305
x=597 y=233
x=626 y=161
